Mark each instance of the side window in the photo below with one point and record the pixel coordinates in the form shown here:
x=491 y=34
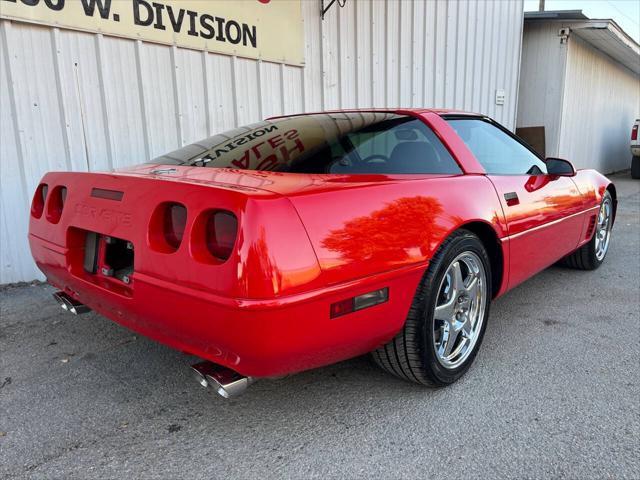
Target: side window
x=407 y=146
x=496 y=151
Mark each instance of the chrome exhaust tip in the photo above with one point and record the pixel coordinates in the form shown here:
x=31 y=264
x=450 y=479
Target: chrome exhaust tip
x=223 y=380
x=70 y=304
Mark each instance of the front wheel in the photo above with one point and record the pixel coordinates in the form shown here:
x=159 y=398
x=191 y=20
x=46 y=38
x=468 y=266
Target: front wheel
x=448 y=317
x=591 y=255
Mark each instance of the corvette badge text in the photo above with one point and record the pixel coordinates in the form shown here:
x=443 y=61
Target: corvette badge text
x=250 y=28
x=106 y=215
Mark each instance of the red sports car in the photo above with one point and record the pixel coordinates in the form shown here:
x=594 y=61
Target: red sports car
x=308 y=239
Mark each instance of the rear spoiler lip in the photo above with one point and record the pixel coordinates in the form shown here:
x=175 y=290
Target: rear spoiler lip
x=144 y=174
x=329 y=181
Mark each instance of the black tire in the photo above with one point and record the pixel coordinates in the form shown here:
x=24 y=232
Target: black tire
x=585 y=258
x=635 y=167
x=411 y=355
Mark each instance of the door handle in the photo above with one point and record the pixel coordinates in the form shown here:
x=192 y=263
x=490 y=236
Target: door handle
x=512 y=199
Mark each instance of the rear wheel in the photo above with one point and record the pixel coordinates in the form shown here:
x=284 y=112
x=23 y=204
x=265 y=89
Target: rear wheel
x=591 y=255
x=635 y=167
x=447 y=319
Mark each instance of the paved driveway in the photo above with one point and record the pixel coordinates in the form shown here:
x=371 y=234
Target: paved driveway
x=554 y=393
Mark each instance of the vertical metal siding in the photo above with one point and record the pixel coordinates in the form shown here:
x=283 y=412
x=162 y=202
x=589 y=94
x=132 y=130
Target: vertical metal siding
x=80 y=101
x=601 y=102
x=542 y=79
x=586 y=101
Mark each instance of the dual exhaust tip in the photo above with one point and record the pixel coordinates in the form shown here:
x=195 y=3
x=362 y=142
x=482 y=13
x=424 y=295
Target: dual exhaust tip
x=226 y=382
x=70 y=304
x=223 y=380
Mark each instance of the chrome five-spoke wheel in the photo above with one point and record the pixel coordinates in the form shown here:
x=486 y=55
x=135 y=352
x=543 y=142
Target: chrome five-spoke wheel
x=448 y=316
x=603 y=228
x=459 y=310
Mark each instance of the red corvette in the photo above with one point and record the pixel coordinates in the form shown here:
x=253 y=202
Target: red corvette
x=305 y=240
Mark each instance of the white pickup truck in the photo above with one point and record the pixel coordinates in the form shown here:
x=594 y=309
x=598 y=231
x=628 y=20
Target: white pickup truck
x=635 y=150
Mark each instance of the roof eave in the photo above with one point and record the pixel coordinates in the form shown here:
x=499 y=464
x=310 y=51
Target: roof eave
x=602 y=34
x=608 y=37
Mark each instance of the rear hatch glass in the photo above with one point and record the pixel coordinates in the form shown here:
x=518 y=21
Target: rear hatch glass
x=333 y=143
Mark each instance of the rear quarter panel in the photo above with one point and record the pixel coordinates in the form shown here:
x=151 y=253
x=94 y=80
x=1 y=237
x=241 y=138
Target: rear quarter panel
x=357 y=232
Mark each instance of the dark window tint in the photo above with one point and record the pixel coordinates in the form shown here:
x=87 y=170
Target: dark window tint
x=342 y=143
x=497 y=151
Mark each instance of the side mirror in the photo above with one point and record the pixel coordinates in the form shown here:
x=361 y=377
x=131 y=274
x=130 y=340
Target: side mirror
x=560 y=167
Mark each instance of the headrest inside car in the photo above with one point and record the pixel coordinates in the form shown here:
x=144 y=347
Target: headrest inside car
x=406 y=134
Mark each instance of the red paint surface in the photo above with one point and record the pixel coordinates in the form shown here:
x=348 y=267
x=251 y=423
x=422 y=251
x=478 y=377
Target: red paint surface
x=304 y=242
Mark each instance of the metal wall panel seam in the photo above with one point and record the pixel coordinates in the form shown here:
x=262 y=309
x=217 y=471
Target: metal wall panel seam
x=386 y=54
x=429 y=33
x=479 y=44
x=55 y=52
x=234 y=88
x=500 y=66
x=338 y=63
x=488 y=31
x=323 y=74
x=207 y=92
x=414 y=48
x=176 y=96
x=421 y=53
x=259 y=86
x=505 y=72
x=374 y=56
x=510 y=53
x=488 y=48
x=466 y=55
x=399 y=102
x=445 y=55
x=456 y=37
x=437 y=86
x=282 y=90
x=515 y=85
x=563 y=78
x=83 y=117
x=356 y=56
x=303 y=91
x=143 y=108
x=107 y=128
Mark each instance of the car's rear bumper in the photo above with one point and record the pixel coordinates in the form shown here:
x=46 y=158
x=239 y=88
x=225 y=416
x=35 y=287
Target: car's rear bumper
x=254 y=337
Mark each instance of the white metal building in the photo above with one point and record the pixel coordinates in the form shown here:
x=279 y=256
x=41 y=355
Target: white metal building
x=73 y=100
x=580 y=80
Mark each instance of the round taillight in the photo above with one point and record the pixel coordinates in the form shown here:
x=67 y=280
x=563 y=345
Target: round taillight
x=39 y=199
x=175 y=219
x=220 y=234
x=167 y=226
x=55 y=204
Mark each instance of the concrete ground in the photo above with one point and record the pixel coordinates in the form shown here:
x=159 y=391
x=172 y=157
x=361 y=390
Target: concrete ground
x=554 y=393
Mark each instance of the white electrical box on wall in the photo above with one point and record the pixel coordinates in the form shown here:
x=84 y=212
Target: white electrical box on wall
x=499 y=97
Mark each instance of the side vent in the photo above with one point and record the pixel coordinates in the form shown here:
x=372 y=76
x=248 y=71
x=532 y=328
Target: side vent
x=591 y=227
